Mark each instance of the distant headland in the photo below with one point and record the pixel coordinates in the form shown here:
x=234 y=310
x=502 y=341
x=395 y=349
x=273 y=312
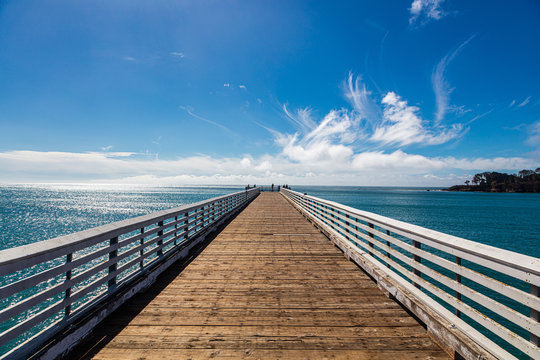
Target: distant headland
x=524 y=181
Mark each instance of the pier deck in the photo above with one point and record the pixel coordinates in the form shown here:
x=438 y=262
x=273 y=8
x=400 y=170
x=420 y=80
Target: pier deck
x=268 y=286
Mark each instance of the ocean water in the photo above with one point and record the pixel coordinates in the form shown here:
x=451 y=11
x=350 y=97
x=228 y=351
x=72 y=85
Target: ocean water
x=31 y=213
x=506 y=220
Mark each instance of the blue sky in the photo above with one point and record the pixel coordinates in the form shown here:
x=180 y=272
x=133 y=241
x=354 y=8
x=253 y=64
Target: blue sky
x=423 y=92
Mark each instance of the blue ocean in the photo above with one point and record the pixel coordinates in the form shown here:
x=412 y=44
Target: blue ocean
x=31 y=213
x=506 y=220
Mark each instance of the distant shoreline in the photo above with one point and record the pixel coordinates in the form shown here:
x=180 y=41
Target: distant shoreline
x=479 y=188
x=526 y=181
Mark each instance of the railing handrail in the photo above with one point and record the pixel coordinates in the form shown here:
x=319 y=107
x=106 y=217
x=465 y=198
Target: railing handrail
x=24 y=253
x=510 y=258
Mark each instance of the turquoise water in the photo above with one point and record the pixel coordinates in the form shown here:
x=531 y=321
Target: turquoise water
x=509 y=221
x=30 y=213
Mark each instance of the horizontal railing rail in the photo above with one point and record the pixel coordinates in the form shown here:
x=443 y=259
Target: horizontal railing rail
x=495 y=288
x=48 y=285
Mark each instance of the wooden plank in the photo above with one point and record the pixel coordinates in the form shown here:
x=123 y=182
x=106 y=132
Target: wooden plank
x=269 y=285
x=251 y=353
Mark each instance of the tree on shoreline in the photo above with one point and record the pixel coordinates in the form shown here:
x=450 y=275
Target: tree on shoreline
x=524 y=181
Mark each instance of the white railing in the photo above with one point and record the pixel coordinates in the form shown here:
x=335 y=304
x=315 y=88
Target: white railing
x=48 y=285
x=495 y=288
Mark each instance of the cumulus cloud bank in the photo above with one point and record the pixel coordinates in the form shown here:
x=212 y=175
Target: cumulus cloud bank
x=339 y=167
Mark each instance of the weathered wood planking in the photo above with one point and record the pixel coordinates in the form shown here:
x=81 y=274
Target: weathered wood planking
x=268 y=286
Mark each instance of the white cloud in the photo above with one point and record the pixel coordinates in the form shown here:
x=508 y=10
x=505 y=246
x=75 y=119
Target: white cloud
x=106 y=148
x=393 y=121
x=242 y=87
x=227 y=85
x=336 y=165
x=525 y=102
x=177 y=54
x=395 y=161
x=245 y=162
x=426 y=10
x=259 y=101
x=401 y=125
x=512 y=103
x=128 y=58
x=441 y=88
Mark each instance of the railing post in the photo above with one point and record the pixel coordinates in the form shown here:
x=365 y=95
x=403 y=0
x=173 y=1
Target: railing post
x=417 y=258
x=371 y=235
x=186 y=229
x=388 y=255
x=347 y=227
x=175 y=228
x=67 y=310
x=160 y=241
x=114 y=266
x=534 y=290
x=141 y=252
x=458 y=294
x=356 y=236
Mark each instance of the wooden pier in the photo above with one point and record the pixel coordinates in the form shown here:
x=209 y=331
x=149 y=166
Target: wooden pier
x=269 y=285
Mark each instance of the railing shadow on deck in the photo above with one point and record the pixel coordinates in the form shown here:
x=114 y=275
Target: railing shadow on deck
x=91 y=345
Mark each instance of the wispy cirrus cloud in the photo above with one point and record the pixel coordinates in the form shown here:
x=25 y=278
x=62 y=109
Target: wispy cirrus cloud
x=441 y=87
x=177 y=54
x=425 y=10
x=189 y=110
x=525 y=102
x=301 y=118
